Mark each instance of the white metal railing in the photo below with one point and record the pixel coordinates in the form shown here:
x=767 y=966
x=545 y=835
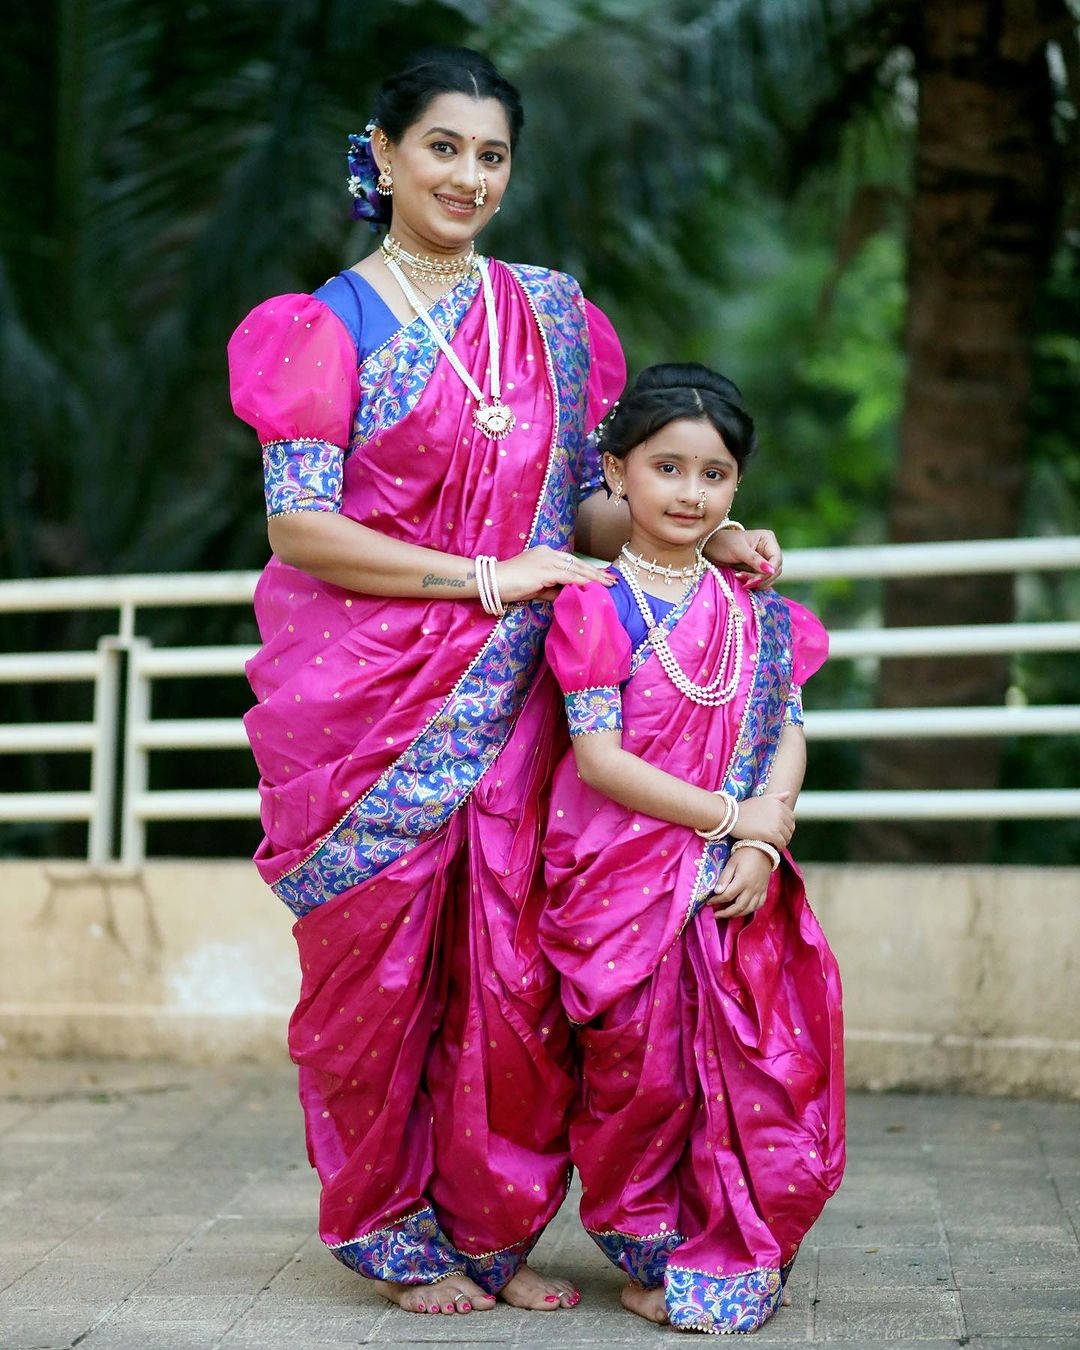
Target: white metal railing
x=125 y=661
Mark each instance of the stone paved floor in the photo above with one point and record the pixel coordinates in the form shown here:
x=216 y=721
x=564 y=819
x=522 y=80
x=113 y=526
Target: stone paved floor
x=159 y=1206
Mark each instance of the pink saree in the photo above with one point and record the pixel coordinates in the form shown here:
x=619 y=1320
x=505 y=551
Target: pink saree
x=405 y=748
x=709 y=1131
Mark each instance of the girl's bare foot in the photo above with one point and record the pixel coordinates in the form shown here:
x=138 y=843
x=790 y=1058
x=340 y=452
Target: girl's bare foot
x=451 y=1294
x=647 y=1303
x=539 y=1293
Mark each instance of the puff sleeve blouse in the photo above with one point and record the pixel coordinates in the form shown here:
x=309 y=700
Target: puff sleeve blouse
x=589 y=652
x=292 y=371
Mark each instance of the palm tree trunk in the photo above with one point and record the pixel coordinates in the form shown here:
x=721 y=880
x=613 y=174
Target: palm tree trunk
x=981 y=231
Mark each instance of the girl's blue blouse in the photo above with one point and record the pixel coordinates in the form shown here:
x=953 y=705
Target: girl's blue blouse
x=630 y=616
x=366 y=315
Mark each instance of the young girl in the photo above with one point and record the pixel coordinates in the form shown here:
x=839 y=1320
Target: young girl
x=710 y=1128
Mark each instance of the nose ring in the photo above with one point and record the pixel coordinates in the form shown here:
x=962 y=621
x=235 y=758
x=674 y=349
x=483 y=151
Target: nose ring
x=701 y=500
x=481 y=191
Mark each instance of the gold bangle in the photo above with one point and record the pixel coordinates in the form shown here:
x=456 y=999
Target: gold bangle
x=762 y=846
x=728 y=524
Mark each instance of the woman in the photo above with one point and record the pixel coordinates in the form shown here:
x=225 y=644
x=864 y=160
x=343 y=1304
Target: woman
x=710 y=1128
x=423 y=415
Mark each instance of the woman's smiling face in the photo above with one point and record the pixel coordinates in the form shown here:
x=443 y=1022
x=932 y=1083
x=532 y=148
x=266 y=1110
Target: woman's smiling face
x=436 y=168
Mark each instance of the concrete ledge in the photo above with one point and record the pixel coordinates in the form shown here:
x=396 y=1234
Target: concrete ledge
x=958 y=978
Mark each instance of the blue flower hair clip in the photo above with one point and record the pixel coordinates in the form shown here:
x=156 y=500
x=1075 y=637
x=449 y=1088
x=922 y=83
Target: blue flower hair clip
x=363 y=176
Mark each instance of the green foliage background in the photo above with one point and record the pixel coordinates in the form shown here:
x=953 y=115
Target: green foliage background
x=727 y=180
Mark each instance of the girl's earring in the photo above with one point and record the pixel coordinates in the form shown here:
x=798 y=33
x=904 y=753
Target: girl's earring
x=481 y=191
x=617 y=492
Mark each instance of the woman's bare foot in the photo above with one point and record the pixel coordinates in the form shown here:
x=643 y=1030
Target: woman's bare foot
x=647 y=1303
x=451 y=1294
x=539 y=1293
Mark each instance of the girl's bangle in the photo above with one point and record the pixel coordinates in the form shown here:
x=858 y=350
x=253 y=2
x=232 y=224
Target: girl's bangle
x=773 y=854
x=727 y=822
x=728 y=524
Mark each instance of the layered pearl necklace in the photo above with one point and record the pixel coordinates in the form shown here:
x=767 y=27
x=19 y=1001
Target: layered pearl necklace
x=724 y=685
x=494 y=418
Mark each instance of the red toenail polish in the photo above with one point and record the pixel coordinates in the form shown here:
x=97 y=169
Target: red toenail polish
x=551 y=1298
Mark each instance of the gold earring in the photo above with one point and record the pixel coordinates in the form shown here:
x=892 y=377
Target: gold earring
x=481 y=192
x=617 y=492
x=384 y=186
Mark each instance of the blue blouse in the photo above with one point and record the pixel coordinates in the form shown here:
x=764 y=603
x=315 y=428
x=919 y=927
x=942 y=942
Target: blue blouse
x=370 y=321
x=627 y=609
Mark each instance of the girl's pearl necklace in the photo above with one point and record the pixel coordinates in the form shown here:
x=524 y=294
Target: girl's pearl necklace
x=724 y=685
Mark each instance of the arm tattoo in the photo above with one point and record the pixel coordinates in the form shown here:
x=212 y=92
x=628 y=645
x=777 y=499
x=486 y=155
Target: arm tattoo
x=432 y=580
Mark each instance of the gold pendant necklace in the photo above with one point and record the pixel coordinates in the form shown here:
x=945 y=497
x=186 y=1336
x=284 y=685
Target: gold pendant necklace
x=493 y=417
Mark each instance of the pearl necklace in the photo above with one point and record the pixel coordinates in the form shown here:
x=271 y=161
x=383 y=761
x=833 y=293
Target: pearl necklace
x=442 y=270
x=719 y=690
x=494 y=419
x=656 y=569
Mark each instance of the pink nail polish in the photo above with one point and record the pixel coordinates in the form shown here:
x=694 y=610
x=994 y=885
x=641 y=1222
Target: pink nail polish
x=466 y=1307
x=767 y=568
x=551 y=1298
x=435 y=1308
x=423 y=1307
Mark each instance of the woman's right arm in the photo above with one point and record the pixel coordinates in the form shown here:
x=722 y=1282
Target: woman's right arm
x=345 y=553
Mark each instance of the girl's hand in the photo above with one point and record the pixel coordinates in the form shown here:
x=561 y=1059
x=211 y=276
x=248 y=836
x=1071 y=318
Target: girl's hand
x=540 y=573
x=768 y=817
x=755 y=555
x=743 y=885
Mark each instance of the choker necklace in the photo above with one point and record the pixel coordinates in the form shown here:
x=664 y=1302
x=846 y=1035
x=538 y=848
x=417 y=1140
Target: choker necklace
x=656 y=569
x=494 y=419
x=724 y=685
x=442 y=270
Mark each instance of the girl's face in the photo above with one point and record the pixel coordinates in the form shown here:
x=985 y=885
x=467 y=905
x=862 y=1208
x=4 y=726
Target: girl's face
x=679 y=485
x=436 y=168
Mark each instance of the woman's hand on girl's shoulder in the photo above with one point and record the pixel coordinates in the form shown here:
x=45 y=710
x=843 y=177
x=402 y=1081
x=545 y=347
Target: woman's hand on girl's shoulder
x=540 y=573
x=755 y=555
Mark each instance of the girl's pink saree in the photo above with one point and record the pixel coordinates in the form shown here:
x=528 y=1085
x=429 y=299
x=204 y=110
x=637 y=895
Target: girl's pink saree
x=710 y=1129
